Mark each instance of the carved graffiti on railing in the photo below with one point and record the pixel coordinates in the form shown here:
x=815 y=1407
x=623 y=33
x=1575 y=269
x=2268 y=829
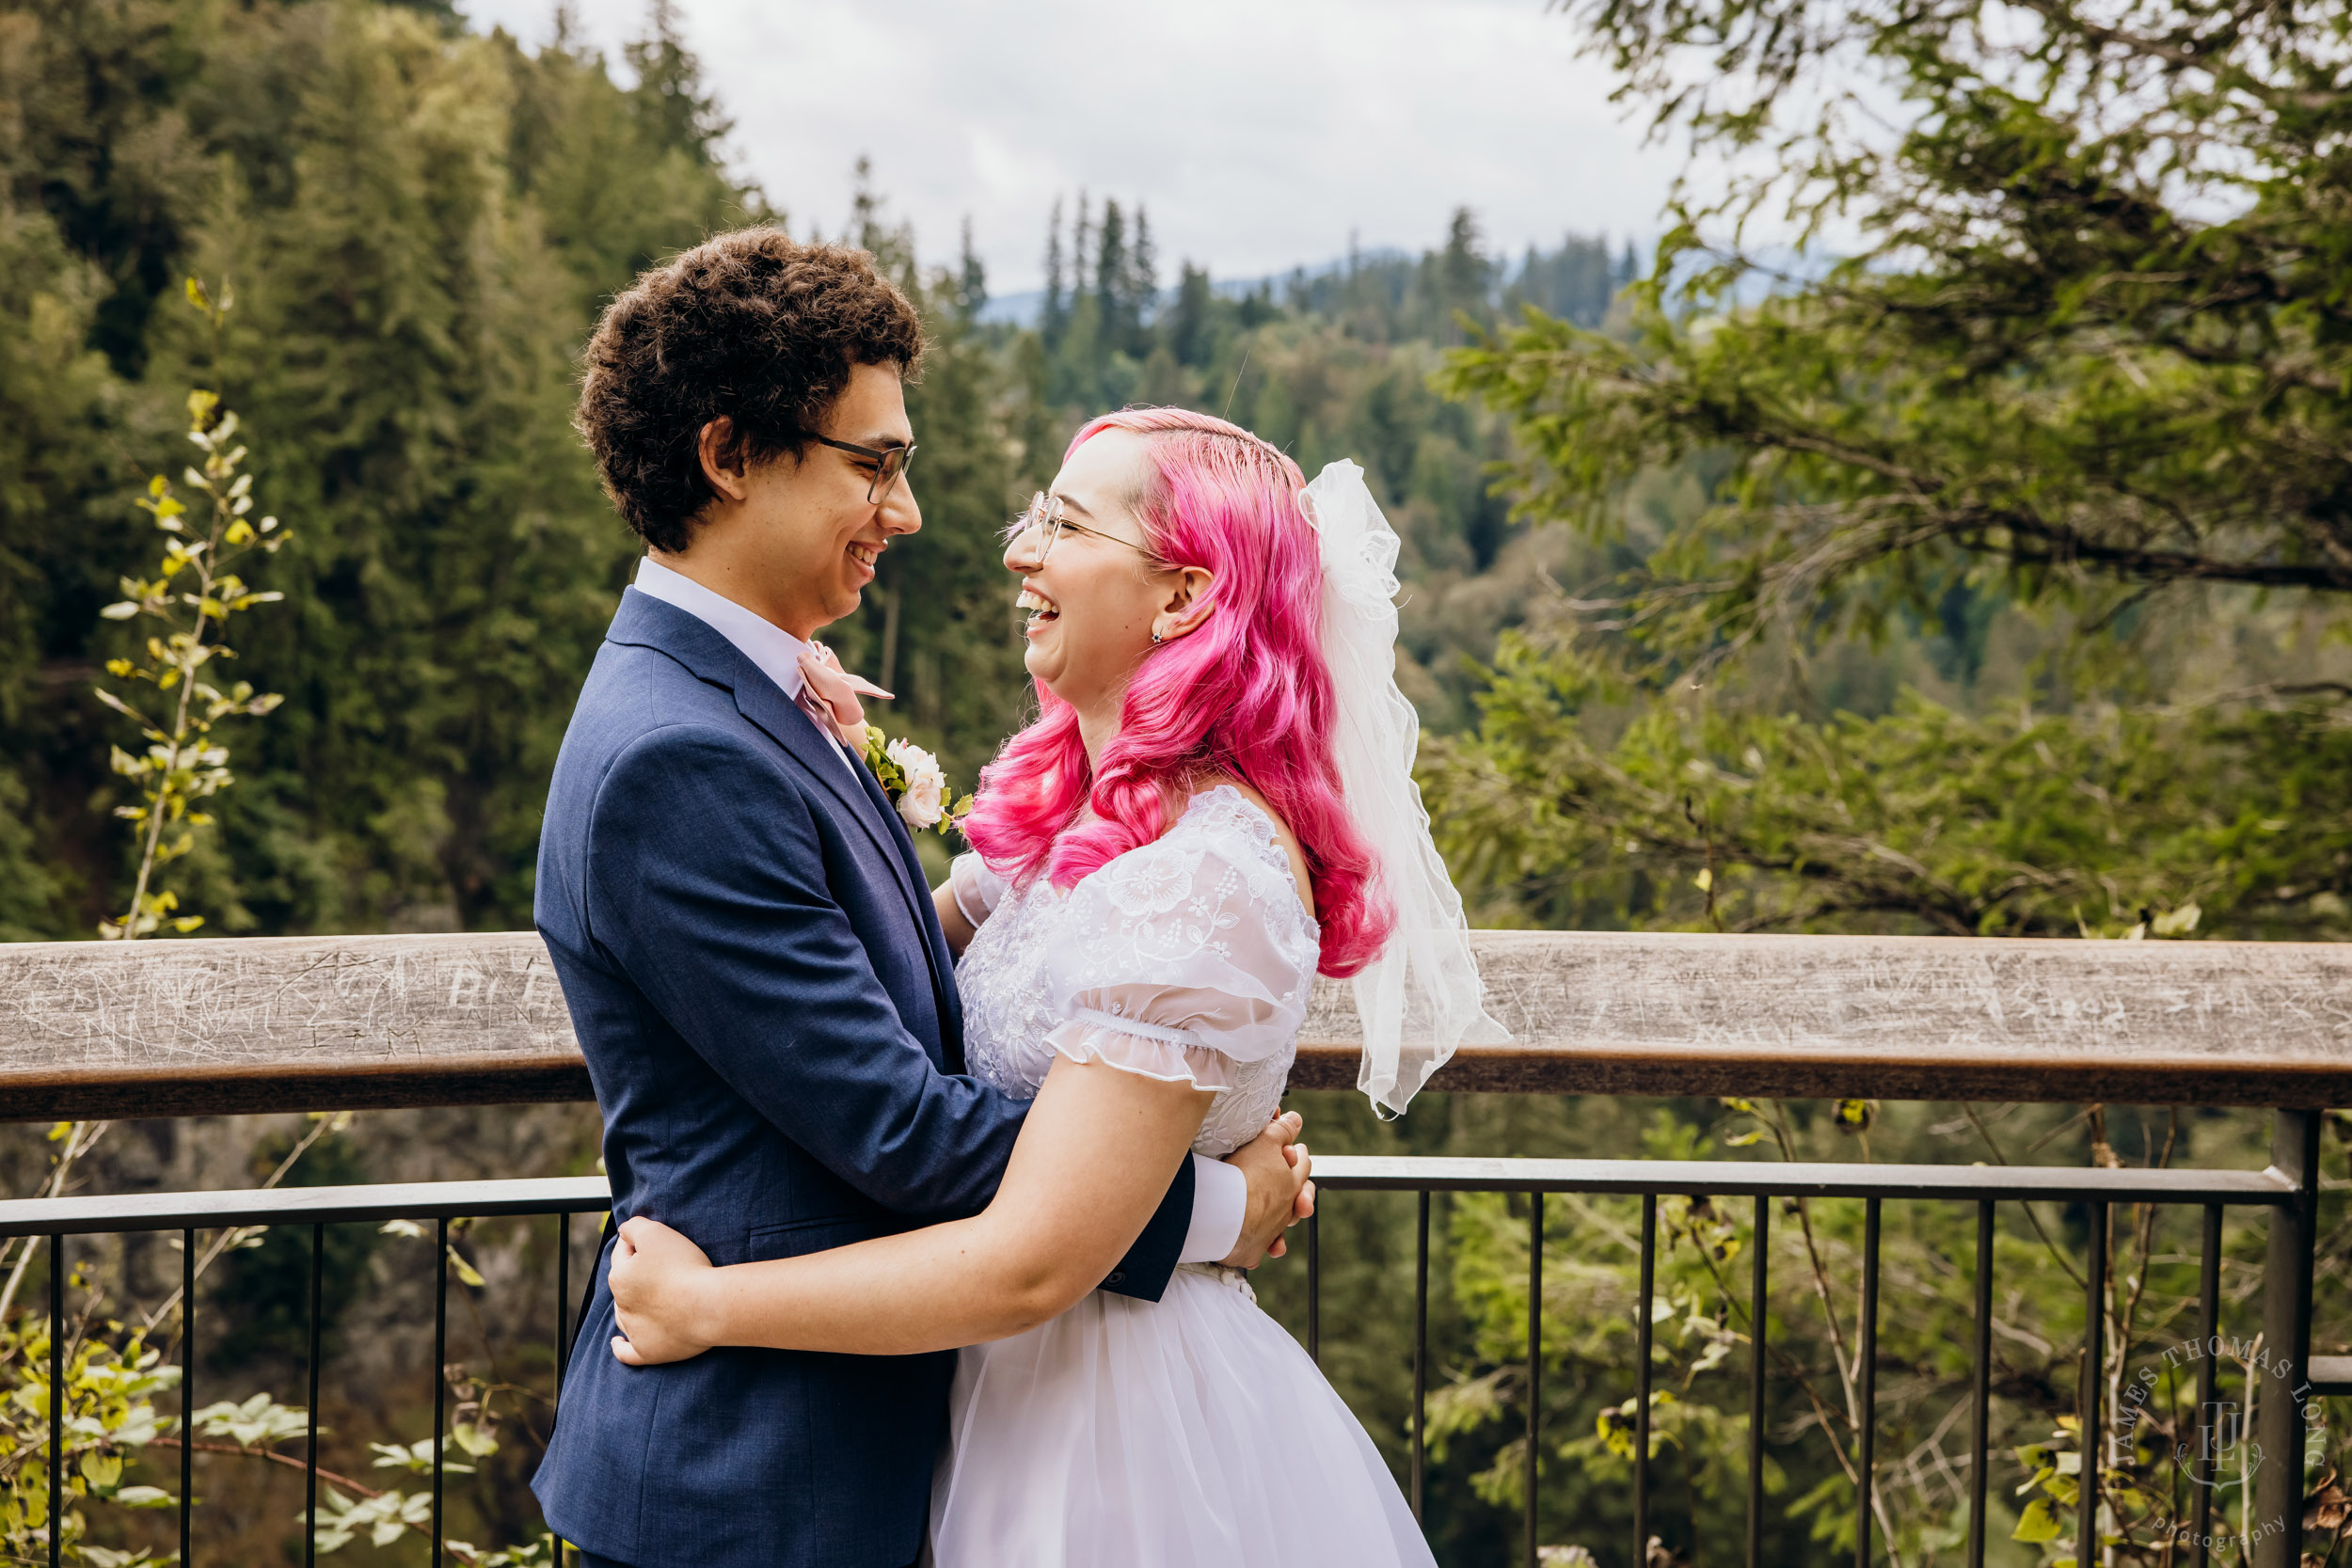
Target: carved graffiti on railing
x=181 y=1027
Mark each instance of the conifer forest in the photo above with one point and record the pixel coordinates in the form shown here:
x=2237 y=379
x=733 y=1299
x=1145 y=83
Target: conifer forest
x=1980 y=566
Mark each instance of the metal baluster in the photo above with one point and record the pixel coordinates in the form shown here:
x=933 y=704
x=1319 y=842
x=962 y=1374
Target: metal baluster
x=1534 y=1355
x=1756 y=1386
x=1420 y=1346
x=2294 y=1226
x=187 y=1394
x=440 y=1376
x=1868 y=1355
x=1314 y=1285
x=562 y=1308
x=1641 y=1379
x=2208 y=1330
x=310 y=1459
x=2094 y=1361
x=56 y=1399
x=1980 y=1433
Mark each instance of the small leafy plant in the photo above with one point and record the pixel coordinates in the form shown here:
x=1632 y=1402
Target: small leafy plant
x=193 y=594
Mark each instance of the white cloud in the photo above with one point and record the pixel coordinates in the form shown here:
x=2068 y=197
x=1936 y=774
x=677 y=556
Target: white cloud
x=1259 y=134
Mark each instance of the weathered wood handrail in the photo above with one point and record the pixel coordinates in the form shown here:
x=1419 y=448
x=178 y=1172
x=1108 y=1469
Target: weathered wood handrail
x=183 y=1028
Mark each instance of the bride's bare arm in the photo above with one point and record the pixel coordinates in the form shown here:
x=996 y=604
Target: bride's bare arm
x=953 y=922
x=1093 y=1161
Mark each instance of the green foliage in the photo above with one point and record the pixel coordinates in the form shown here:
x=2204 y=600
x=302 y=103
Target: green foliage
x=2089 y=361
x=1587 y=798
x=422 y=223
x=193 y=594
x=2094 y=339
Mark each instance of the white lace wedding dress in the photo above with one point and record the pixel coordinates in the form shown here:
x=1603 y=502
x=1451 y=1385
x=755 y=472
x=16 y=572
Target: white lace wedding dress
x=1192 y=1431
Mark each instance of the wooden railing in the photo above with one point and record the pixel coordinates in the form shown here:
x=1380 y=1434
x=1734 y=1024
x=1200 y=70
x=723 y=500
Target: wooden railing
x=181 y=1028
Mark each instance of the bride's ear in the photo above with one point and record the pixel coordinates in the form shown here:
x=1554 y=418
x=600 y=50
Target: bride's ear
x=1186 y=605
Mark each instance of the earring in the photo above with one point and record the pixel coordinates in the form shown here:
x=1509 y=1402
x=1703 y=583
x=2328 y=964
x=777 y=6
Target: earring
x=1155 y=637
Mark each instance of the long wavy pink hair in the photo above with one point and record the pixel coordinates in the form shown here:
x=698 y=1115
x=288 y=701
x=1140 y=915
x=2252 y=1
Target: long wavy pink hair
x=1246 y=694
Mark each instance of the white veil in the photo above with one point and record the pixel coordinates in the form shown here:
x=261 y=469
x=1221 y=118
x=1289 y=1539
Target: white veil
x=1421 y=996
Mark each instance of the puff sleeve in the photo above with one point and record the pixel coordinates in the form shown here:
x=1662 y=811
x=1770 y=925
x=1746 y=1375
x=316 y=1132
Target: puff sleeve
x=1188 y=959
x=976 y=889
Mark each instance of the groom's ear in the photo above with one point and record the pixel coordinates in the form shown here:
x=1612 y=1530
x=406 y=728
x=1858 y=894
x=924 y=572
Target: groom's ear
x=725 y=469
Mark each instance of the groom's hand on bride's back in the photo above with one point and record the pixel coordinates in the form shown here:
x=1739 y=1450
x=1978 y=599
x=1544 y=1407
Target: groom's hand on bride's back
x=1280 y=1190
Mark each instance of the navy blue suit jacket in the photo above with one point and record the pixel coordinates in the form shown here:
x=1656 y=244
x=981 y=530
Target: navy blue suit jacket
x=769 y=1012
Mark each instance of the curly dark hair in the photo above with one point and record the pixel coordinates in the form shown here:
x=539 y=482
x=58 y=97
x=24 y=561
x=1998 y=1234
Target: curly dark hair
x=752 y=327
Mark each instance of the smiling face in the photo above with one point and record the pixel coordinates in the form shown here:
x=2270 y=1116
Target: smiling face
x=1096 y=601
x=795 y=540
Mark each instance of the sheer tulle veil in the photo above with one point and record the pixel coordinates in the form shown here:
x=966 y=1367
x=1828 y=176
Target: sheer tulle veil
x=1421 y=997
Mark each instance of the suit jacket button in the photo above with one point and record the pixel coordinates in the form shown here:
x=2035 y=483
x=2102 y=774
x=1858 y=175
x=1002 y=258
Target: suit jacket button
x=1119 y=1277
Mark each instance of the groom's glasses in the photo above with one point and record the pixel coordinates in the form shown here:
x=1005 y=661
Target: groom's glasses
x=1046 y=515
x=889 y=463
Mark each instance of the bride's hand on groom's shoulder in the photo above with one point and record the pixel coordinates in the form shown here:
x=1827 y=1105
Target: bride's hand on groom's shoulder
x=657 y=1277
x=1280 y=1190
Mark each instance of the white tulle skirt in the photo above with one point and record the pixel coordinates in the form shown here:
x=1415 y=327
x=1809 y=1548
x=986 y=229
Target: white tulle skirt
x=1185 y=1432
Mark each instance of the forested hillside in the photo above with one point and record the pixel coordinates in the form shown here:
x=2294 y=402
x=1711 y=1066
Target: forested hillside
x=420 y=225
x=1994 y=581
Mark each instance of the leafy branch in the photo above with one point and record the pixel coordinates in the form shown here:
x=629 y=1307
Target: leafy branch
x=193 y=594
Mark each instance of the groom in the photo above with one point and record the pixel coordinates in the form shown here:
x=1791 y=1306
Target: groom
x=752 y=962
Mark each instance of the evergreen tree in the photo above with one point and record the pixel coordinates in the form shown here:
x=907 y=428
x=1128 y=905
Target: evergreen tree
x=2087 y=363
x=1141 y=286
x=1189 y=325
x=420 y=224
x=1111 y=283
x=670 y=97
x=1054 y=315
x=971 y=277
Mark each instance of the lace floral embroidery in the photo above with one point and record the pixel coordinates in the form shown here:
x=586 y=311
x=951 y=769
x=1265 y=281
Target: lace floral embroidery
x=1209 y=908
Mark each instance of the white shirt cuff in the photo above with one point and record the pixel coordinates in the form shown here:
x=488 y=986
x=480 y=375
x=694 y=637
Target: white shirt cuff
x=1221 y=1201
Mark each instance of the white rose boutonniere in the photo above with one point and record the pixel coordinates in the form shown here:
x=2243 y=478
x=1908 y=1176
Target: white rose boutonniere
x=914 y=781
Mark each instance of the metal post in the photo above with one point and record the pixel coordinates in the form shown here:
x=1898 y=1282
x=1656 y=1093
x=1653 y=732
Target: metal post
x=56 y=1399
x=1868 y=1370
x=1535 y=1357
x=440 y=1374
x=1421 y=1348
x=1981 y=1429
x=562 y=1308
x=2208 y=1333
x=2286 y=1341
x=1641 y=1379
x=310 y=1460
x=2087 y=1397
x=187 y=1395
x=1755 y=1385
x=1314 y=1284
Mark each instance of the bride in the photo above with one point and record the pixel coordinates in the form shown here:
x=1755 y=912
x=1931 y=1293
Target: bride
x=1215 y=803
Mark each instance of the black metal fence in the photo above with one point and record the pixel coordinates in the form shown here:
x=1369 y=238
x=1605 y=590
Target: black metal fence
x=2287 y=1191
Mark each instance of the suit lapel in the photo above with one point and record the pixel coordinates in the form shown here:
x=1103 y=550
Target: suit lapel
x=647 y=621
x=927 y=926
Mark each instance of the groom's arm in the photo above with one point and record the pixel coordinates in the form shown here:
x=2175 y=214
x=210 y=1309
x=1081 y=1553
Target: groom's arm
x=718 y=909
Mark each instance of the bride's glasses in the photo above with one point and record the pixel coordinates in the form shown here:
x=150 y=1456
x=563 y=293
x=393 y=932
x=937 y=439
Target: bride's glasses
x=1046 y=515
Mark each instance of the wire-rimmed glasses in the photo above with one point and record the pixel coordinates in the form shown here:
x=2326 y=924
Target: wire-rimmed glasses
x=1045 y=513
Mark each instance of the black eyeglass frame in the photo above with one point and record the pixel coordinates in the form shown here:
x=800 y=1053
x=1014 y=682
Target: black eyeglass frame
x=1045 y=513
x=889 y=463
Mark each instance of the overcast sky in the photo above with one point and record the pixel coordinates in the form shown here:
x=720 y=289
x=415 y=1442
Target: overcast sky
x=1260 y=134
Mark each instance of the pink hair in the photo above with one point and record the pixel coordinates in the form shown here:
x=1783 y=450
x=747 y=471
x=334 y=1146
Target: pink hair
x=1246 y=694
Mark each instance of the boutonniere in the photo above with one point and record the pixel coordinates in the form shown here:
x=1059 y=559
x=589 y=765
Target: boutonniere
x=917 y=784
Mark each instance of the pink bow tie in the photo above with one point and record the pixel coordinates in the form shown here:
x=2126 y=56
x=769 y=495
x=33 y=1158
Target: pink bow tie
x=829 y=689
